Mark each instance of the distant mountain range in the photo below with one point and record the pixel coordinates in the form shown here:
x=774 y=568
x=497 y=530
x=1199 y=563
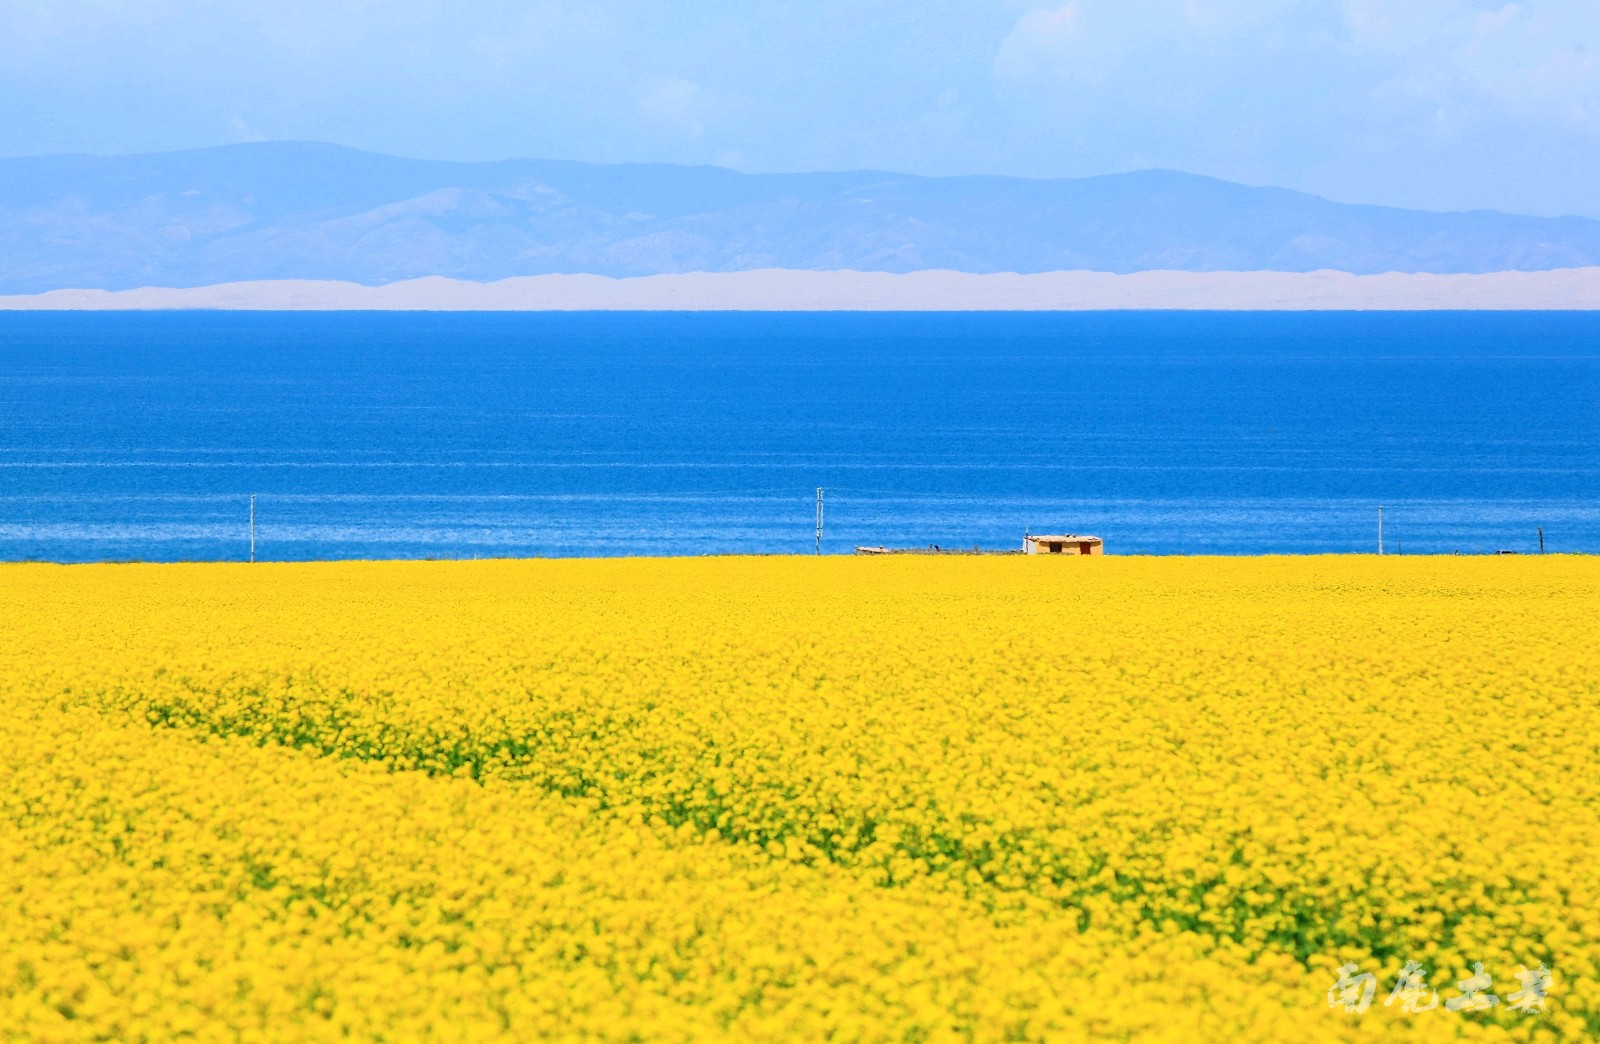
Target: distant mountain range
x=305 y=211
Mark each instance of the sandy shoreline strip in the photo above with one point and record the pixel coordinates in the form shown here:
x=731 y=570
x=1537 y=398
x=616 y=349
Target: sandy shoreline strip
x=793 y=290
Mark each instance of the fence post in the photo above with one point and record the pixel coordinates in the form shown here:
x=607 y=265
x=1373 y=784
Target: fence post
x=819 y=520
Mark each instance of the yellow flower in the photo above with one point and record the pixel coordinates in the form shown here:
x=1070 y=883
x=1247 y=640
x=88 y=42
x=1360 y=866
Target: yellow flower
x=754 y=798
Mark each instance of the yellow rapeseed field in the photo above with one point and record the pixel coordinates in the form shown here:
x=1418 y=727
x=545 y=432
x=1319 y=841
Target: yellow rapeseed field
x=865 y=799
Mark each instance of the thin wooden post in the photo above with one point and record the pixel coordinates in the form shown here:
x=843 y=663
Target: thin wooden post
x=819 y=520
x=1541 y=540
x=252 y=527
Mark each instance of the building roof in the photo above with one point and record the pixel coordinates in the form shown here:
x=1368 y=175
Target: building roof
x=1065 y=538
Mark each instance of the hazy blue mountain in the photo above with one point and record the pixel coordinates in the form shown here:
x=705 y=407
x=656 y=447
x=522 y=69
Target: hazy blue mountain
x=294 y=210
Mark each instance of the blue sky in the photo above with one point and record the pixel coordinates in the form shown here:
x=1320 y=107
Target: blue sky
x=1441 y=104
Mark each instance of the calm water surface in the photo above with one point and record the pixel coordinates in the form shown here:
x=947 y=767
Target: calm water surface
x=451 y=435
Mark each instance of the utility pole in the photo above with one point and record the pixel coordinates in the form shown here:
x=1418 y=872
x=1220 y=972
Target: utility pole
x=819 y=520
x=1380 y=529
x=252 y=527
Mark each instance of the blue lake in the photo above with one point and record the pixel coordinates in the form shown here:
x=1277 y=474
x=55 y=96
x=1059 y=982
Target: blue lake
x=142 y=436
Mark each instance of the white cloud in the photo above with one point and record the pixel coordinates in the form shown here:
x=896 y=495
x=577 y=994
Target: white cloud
x=1090 y=40
x=244 y=131
x=1449 y=63
x=677 y=102
x=1534 y=61
x=1039 y=41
